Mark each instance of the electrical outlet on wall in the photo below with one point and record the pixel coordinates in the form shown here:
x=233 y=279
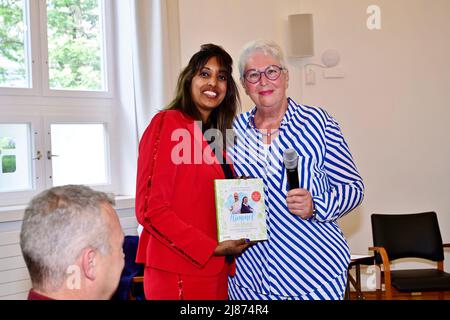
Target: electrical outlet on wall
x=310 y=76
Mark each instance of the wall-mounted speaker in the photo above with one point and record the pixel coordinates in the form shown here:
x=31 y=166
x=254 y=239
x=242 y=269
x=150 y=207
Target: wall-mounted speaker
x=301 y=35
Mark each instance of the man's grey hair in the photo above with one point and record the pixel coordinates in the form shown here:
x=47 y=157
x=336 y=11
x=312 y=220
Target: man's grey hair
x=57 y=225
x=264 y=46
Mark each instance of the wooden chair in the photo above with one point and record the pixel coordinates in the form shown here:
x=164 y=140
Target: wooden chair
x=417 y=235
x=137 y=288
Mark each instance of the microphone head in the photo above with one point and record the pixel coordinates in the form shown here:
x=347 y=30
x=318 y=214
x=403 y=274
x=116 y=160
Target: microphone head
x=290 y=159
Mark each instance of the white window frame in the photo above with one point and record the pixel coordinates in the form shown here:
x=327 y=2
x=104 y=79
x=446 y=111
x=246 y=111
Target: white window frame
x=37 y=183
x=107 y=58
x=33 y=55
x=81 y=119
x=38 y=55
x=40 y=140
x=41 y=106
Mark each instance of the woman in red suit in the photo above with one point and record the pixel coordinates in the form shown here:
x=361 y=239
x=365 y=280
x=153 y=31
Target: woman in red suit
x=175 y=185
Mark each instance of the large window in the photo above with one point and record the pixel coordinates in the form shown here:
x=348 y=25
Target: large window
x=56 y=106
x=16 y=159
x=82 y=148
x=60 y=44
x=15 y=58
x=75 y=45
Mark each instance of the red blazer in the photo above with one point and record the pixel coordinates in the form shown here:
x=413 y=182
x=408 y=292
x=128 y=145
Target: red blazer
x=176 y=205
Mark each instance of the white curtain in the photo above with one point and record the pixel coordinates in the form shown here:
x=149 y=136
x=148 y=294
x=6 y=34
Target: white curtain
x=148 y=64
x=155 y=56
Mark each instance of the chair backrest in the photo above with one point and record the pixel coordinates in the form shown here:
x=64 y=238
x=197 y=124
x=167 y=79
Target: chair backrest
x=408 y=235
x=130 y=270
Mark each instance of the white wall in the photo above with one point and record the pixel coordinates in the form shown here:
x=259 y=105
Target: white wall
x=233 y=23
x=393 y=103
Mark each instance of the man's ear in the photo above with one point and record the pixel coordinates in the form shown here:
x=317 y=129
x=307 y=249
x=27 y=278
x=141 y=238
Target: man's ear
x=88 y=261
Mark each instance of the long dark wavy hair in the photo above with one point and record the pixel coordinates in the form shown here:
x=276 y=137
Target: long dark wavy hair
x=222 y=116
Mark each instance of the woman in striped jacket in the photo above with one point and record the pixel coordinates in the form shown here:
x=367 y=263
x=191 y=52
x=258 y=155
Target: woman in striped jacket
x=306 y=255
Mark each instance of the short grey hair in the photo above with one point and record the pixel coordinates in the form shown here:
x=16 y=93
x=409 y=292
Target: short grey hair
x=57 y=225
x=264 y=46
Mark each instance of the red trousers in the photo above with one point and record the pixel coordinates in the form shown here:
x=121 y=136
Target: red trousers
x=163 y=285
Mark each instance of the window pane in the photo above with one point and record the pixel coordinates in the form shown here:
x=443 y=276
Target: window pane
x=79 y=154
x=15 y=154
x=14 y=46
x=75 y=44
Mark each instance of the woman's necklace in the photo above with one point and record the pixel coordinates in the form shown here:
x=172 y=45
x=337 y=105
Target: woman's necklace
x=268 y=134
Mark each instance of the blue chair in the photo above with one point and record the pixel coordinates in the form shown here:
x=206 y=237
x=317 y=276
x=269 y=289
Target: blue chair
x=129 y=289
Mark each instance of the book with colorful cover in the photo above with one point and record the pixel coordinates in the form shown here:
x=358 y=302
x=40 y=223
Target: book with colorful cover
x=240 y=209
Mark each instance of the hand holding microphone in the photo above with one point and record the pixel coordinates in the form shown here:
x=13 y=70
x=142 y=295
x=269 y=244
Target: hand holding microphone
x=299 y=201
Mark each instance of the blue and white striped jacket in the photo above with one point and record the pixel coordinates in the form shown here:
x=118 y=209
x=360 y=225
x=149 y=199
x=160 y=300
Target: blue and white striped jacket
x=303 y=259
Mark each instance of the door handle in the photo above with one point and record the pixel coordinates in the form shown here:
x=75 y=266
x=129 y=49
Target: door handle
x=38 y=156
x=50 y=155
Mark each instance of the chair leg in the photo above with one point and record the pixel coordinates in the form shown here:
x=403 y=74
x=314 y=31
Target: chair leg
x=387 y=294
x=347 y=287
x=347 y=293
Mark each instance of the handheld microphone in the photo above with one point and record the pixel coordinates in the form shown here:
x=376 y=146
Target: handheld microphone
x=290 y=159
